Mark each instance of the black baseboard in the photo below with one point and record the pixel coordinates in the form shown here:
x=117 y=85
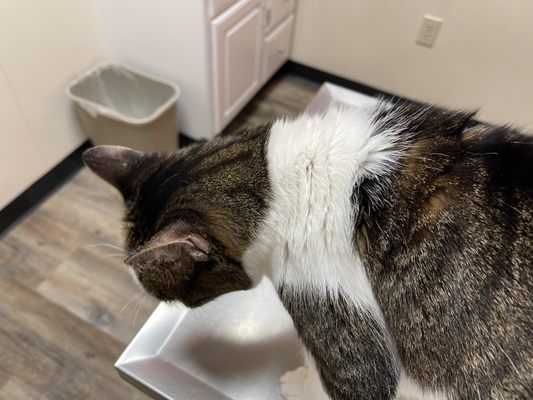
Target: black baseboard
x=186 y=140
x=292 y=67
x=40 y=190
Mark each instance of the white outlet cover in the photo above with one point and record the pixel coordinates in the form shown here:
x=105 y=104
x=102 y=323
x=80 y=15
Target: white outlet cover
x=429 y=30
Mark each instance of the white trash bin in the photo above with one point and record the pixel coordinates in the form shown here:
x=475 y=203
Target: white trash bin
x=119 y=105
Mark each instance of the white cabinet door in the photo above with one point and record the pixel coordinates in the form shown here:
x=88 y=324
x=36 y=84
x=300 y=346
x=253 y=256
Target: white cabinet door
x=215 y=7
x=277 y=11
x=277 y=48
x=237 y=37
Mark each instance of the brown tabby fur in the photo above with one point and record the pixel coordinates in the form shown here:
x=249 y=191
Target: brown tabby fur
x=449 y=256
x=445 y=239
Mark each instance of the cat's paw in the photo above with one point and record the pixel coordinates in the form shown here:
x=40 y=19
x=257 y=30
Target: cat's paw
x=293 y=384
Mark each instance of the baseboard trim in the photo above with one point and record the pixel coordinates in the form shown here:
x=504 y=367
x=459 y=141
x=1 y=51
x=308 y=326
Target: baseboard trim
x=185 y=140
x=295 y=68
x=41 y=189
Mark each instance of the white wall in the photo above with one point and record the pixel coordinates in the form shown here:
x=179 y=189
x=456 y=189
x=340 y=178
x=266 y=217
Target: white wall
x=483 y=56
x=43 y=45
x=152 y=36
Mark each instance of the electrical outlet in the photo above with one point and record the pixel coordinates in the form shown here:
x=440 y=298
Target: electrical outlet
x=429 y=30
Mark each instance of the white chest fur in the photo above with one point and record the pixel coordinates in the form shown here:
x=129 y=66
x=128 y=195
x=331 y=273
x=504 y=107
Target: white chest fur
x=306 y=241
x=315 y=162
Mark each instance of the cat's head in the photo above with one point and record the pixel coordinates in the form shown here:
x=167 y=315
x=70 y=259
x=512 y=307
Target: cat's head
x=190 y=215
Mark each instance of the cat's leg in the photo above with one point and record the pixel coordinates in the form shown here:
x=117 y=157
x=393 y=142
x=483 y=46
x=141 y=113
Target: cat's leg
x=350 y=345
x=303 y=383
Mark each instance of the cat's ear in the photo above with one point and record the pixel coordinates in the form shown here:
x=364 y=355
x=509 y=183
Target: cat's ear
x=172 y=245
x=113 y=164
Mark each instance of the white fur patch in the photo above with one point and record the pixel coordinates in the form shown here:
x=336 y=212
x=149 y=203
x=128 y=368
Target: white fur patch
x=303 y=383
x=408 y=389
x=314 y=164
x=306 y=240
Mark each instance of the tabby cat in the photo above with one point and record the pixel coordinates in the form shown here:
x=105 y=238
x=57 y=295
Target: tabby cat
x=398 y=237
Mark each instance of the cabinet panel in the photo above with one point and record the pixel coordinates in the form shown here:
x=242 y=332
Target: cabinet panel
x=278 y=11
x=237 y=38
x=276 y=49
x=215 y=7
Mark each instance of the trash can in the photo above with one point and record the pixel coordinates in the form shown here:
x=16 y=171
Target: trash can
x=119 y=105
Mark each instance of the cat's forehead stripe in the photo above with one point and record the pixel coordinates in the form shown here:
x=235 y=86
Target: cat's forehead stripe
x=222 y=182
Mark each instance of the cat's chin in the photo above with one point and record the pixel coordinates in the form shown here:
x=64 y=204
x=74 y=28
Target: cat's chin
x=187 y=303
x=197 y=303
x=190 y=302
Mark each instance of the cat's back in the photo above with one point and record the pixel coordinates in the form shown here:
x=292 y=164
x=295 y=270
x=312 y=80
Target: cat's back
x=500 y=193
x=456 y=236
x=506 y=155
x=499 y=160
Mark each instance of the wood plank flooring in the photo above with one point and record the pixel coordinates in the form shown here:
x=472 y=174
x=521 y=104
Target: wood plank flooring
x=68 y=306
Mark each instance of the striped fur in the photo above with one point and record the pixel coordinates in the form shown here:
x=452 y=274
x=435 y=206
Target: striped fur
x=399 y=239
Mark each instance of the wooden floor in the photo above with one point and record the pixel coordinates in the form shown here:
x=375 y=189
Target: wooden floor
x=68 y=306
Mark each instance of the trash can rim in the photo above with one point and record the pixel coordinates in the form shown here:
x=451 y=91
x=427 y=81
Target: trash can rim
x=110 y=113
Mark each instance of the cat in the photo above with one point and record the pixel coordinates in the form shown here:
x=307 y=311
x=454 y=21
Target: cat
x=398 y=237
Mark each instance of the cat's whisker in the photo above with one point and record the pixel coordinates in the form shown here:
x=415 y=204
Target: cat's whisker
x=511 y=207
x=141 y=303
x=123 y=252
x=132 y=311
x=114 y=255
x=510 y=360
x=135 y=296
x=211 y=311
x=441 y=154
x=104 y=245
x=219 y=309
x=490 y=153
x=169 y=179
x=425 y=160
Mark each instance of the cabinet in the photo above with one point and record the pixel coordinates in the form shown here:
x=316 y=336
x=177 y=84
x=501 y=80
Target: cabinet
x=250 y=41
x=277 y=11
x=220 y=52
x=237 y=38
x=276 y=48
